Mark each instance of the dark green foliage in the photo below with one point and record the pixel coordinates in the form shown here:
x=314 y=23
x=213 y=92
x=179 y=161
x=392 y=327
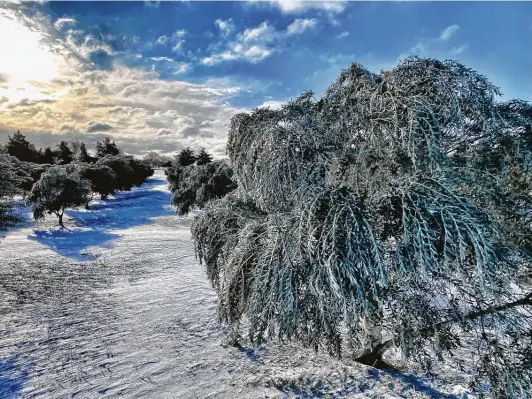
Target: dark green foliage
x=394 y=211
x=102 y=179
x=56 y=190
x=106 y=147
x=129 y=171
x=195 y=185
x=64 y=153
x=203 y=157
x=19 y=147
x=48 y=156
x=186 y=157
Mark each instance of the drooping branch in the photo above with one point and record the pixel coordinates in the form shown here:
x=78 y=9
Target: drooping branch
x=374 y=357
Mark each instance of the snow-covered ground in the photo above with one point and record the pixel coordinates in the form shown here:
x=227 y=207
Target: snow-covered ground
x=118 y=306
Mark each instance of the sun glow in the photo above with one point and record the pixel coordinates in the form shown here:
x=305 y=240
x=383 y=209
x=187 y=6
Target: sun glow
x=24 y=59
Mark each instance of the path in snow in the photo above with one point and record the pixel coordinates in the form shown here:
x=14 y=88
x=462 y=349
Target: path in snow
x=117 y=306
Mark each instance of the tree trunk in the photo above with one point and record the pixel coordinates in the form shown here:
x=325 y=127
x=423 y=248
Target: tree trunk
x=374 y=356
x=60 y=216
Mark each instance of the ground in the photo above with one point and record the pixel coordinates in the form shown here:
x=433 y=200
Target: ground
x=116 y=305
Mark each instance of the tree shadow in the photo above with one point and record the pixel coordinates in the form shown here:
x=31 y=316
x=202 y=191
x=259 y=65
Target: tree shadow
x=418 y=383
x=12 y=378
x=93 y=227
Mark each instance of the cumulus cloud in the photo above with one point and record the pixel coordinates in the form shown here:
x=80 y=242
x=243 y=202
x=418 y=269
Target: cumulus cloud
x=139 y=109
x=449 y=32
x=258 y=43
x=98 y=127
x=300 y=6
x=225 y=27
x=301 y=25
x=343 y=35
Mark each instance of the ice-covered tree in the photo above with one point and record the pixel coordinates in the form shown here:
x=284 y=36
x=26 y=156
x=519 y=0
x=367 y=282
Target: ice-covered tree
x=57 y=190
x=106 y=147
x=64 y=154
x=186 y=157
x=203 y=157
x=195 y=185
x=359 y=223
x=9 y=182
x=18 y=146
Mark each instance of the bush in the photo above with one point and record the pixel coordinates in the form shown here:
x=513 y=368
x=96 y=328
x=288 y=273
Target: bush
x=358 y=226
x=56 y=191
x=195 y=185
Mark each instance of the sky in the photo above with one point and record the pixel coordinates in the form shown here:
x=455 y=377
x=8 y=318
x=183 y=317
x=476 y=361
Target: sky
x=162 y=76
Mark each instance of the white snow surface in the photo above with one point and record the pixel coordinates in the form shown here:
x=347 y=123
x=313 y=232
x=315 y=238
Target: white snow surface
x=116 y=305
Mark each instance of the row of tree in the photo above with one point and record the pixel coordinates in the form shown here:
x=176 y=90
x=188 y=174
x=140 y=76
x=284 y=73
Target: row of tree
x=65 y=152
x=396 y=211
x=195 y=179
x=69 y=182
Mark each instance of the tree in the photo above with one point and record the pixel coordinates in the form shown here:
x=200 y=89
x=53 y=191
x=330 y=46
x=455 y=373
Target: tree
x=8 y=190
x=186 y=157
x=56 y=191
x=106 y=147
x=19 y=147
x=64 y=154
x=203 y=157
x=48 y=156
x=195 y=185
x=129 y=171
x=357 y=225
x=155 y=159
x=80 y=154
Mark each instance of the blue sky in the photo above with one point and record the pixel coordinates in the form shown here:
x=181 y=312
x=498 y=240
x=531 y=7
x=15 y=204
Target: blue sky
x=161 y=76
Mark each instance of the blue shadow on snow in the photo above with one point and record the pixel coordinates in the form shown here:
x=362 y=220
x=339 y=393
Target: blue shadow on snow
x=127 y=209
x=12 y=379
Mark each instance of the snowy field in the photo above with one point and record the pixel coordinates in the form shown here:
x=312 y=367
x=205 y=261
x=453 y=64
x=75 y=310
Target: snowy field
x=116 y=305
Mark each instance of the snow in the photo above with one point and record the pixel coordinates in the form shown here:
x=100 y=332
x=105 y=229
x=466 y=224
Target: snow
x=116 y=305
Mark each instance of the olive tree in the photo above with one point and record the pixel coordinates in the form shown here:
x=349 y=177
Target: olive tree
x=195 y=185
x=360 y=225
x=57 y=190
x=8 y=190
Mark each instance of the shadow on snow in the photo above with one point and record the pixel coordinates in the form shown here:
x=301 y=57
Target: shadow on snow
x=94 y=226
x=315 y=388
x=12 y=378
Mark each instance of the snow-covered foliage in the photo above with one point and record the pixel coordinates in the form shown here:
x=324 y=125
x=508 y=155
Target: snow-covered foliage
x=355 y=227
x=9 y=182
x=154 y=159
x=57 y=190
x=128 y=170
x=194 y=185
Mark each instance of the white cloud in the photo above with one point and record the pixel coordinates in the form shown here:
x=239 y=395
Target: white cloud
x=459 y=49
x=182 y=68
x=180 y=33
x=258 y=43
x=226 y=27
x=139 y=109
x=449 y=32
x=301 y=25
x=162 y=40
x=343 y=35
x=61 y=22
x=178 y=47
x=159 y=59
x=297 y=6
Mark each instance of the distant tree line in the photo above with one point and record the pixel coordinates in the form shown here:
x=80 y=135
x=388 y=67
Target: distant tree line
x=67 y=176
x=195 y=179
